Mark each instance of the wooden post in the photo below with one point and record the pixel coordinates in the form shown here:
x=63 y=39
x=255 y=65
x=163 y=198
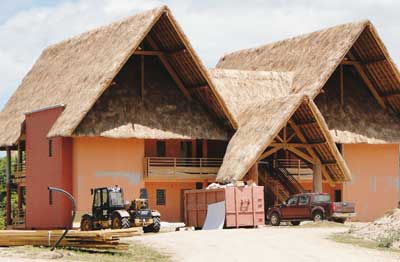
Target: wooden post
x=341 y=86
x=317 y=177
x=142 y=76
x=8 y=187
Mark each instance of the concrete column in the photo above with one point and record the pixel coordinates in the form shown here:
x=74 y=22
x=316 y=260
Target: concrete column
x=317 y=178
x=253 y=173
x=8 y=187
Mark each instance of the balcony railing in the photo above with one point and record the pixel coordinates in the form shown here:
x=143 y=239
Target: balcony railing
x=165 y=167
x=18 y=173
x=18 y=218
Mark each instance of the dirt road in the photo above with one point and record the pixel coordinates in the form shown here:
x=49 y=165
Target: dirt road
x=264 y=244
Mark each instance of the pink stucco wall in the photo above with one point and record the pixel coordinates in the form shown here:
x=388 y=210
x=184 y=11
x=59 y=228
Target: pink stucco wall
x=43 y=170
x=375 y=184
x=102 y=162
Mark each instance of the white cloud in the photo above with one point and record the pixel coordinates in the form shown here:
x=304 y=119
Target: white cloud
x=214 y=27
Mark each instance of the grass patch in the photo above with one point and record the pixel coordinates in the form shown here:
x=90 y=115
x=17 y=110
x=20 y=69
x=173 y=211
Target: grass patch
x=346 y=238
x=136 y=252
x=322 y=224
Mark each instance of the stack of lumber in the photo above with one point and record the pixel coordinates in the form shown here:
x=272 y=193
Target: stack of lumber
x=102 y=239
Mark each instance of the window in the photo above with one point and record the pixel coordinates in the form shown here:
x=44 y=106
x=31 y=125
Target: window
x=143 y=193
x=322 y=198
x=104 y=197
x=186 y=148
x=338 y=195
x=303 y=200
x=97 y=198
x=160 y=197
x=160 y=148
x=292 y=201
x=50 y=148
x=199 y=185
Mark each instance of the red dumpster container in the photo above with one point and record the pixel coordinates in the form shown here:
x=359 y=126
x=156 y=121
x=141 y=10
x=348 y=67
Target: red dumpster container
x=244 y=206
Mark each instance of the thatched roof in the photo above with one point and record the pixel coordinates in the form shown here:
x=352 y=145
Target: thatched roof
x=76 y=72
x=241 y=89
x=314 y=57
x=262 y=107
x=164 y=113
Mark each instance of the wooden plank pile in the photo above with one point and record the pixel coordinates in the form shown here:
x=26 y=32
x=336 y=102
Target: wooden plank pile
x=102 y=239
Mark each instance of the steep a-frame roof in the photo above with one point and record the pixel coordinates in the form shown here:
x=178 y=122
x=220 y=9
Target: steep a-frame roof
x=76 y=72
x=262 y=106
x=314 y=57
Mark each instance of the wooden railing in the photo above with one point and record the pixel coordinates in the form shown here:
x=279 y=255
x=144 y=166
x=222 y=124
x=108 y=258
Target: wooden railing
x=171 y=166
x=18 y=218
x=18 y=173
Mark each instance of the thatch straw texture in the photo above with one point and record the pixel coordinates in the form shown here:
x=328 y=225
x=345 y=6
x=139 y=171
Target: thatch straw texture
x=258 y=127
x=76 y=72
x=262 y=105
x=163 y=113
x=360 y=119
x=242 y=89
x=314 y=57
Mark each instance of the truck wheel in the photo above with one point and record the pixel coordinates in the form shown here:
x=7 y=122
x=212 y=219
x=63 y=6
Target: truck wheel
x=275 y=219
x=295 y=223
x=117 y=222
x=86 y=224
x=318 y=216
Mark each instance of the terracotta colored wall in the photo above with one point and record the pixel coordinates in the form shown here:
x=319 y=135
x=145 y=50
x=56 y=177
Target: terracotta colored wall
x=171 y=211
x=172 y=147
x=375 y=184
x=43 y=171
x=326 y=188
x=101 y=162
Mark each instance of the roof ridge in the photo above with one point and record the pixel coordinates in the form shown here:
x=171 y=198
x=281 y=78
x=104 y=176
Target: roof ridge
x=364 y=22
x=81 y=36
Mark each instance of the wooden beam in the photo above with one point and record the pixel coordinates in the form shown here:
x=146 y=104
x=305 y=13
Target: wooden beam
x=360 y=70
x=349 y=62
x=169 y=68
x=327 y=176
x=299 y=145
x=142 y=76
x=306 y=123
x=390 y=95
x=148 y=53
x=291 y=137
x=270 y=152
x=301 y=154
x=341 y=85
x=302 y=139
x=8 y=187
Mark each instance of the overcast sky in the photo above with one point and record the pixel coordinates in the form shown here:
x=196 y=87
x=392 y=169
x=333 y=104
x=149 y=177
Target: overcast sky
x=213 y=27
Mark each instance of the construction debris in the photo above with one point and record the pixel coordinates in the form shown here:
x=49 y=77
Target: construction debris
x=384 y=230
x=103 y=239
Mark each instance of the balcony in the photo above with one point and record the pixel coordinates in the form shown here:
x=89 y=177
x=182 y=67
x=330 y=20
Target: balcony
x=18 y=173
x=169 y=168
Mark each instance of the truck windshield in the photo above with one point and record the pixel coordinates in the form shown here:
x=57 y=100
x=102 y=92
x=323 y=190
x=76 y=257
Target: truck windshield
x=116 y=199
x=322 y=198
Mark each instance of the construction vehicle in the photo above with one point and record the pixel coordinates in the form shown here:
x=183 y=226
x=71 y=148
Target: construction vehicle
x=109 y=210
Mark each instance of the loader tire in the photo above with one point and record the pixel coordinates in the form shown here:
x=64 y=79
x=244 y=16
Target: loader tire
x=119 y=222
x=155 y=227
x=156 y=224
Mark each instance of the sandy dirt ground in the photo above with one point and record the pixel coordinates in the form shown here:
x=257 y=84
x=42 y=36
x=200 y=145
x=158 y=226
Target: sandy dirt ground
x=263 y=244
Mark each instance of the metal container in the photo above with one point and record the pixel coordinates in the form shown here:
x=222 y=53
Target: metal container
x=244 y=206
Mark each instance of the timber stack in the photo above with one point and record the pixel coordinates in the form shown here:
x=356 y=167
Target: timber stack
x=103 y=239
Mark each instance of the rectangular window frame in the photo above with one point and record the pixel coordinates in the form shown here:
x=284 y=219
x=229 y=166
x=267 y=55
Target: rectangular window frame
x=161 y=197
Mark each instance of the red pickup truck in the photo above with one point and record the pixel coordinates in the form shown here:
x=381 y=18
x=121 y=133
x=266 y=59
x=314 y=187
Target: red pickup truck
x=310 y=206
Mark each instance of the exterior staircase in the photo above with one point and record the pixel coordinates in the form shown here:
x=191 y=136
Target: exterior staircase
x=278 y=182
